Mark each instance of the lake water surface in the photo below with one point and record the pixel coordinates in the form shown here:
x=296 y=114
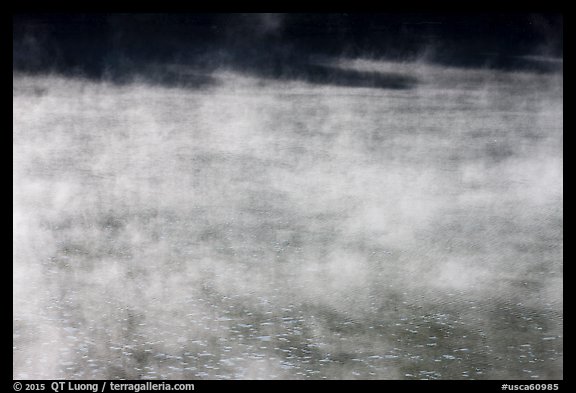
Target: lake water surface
x=279 y=229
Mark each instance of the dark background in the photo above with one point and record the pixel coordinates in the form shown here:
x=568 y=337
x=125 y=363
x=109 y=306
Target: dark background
x=112 y=45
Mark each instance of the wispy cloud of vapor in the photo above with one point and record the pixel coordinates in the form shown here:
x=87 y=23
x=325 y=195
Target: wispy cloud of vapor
x=271 y=22
x=267 y=228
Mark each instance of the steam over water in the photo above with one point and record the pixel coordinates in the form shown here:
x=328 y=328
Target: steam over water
x=254 y=227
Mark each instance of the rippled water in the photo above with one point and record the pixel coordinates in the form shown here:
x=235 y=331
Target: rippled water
x=280 y=230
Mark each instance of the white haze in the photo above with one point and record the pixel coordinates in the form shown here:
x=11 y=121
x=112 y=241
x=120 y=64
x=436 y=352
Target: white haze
x=278 y=229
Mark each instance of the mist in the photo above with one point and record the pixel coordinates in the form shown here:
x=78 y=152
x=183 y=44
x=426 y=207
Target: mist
x=343 y=216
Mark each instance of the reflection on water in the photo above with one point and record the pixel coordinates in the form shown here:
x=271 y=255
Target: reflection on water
x=274 y=229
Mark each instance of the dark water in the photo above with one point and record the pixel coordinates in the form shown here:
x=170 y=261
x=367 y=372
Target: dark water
x=277 y=229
